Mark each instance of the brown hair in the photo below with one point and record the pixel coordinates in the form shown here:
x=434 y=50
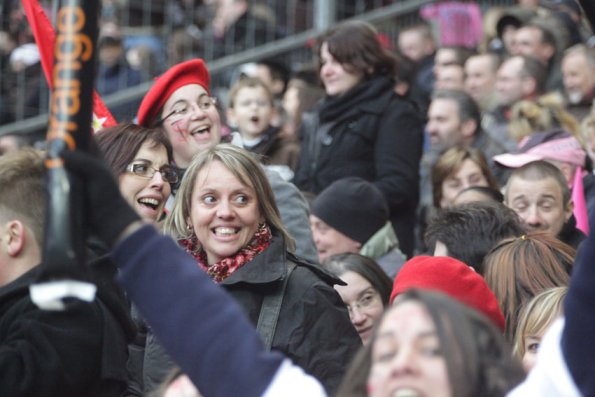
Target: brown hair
x=534 y=69
x=451 y=162
x=517 y=269
x=355 y=45
x=119 y=144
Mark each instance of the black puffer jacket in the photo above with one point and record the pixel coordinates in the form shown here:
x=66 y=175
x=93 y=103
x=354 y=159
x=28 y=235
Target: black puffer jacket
x=313 y=328
x=369 y=132
x=80 y=351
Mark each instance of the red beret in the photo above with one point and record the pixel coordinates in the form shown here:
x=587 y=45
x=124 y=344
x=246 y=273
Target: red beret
x=450 y=276
x=189 y=72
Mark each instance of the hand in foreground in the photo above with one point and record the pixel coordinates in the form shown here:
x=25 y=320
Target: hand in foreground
x=110 y=216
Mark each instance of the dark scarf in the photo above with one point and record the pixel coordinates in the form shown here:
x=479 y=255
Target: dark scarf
x=221 y=270
x=333 y=108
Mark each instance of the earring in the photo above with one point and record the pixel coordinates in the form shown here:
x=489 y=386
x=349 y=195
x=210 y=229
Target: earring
x=189 y=228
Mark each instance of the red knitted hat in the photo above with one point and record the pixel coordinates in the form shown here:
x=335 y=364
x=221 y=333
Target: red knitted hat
x=189 y=72
x=452 y=277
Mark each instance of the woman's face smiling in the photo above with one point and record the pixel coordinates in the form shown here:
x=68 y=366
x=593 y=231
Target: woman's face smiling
x=407 y=360
x=191 y=128
x=336 y=79
x=147 y=196
x=225 y=213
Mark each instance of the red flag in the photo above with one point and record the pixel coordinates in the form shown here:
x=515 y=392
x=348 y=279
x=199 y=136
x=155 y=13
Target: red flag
x=45 y=37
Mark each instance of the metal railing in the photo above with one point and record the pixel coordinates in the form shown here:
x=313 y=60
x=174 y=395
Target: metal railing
x=293 y=49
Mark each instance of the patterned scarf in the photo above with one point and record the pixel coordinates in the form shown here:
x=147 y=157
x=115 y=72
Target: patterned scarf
x=221 y=270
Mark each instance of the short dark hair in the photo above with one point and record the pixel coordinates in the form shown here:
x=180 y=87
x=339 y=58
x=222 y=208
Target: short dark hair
x=277 y=69
x=471 y=230
x=495 y=59
x=119 y=144
x=365 y=267
x=461 y=53
x=451 y=162
x=423 y=28
x=355 y=43
x=547 y=36
x=536 y=70
x=110 y=41
x=468 y=107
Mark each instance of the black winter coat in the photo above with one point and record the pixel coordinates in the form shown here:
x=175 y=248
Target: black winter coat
x=80 y=351
x=313 y=328
x=369 y=132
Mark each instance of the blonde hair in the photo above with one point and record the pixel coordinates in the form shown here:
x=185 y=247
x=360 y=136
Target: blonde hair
x=545 y=114
x=244 y=166
x=537 y=315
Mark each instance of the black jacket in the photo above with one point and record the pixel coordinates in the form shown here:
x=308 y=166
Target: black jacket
x=369 y=132
x=570 y=234
x=276 y=149
x=80 y=351
x=313 y=328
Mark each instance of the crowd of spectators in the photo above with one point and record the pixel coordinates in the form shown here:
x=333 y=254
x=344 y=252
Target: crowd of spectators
x=256 y=219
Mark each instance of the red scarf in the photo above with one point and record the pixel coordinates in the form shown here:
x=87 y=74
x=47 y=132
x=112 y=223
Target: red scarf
x=221 y=270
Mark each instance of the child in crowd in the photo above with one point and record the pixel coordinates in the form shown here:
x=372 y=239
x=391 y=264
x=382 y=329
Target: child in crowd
x=250 y=112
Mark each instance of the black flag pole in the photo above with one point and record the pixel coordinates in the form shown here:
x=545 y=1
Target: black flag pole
x=71 y=114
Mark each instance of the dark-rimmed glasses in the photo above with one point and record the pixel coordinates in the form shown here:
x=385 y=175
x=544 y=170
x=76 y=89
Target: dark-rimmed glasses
x=145 y=169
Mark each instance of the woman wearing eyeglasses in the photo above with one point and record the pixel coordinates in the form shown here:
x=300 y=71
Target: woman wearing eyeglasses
x=180 y=102
x=140 y=159
x=366 y=293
